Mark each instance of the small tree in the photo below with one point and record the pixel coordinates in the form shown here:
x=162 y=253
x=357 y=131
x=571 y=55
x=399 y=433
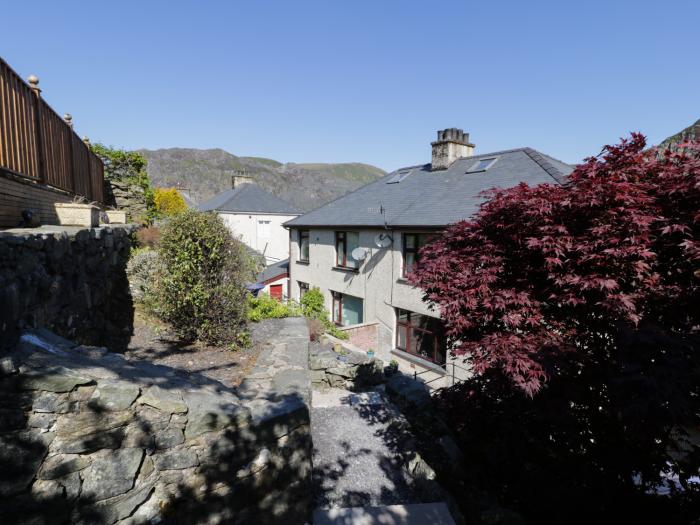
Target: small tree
x=204 y=272
x=590 y=289
x=168 y=202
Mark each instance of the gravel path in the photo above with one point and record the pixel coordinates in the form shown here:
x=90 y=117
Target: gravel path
x=356 y=463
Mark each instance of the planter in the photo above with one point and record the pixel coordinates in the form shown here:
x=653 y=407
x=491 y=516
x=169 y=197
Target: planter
x=370 y=354
x=76 y=214
x=116 y=216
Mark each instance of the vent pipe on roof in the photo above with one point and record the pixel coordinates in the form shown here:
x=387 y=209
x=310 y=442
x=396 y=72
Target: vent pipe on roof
x=451 y=144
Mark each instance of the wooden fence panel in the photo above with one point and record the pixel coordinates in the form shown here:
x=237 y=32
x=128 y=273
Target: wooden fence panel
x=36 y=143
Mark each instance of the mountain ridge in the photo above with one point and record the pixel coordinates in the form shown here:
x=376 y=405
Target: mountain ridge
x=206 y=172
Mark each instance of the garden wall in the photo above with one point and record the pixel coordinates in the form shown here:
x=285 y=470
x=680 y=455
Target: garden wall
x=88 y=437
x=71 y=280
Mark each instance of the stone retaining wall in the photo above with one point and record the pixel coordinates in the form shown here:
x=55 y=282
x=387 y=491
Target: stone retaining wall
x=89 y=437
x=71 y=280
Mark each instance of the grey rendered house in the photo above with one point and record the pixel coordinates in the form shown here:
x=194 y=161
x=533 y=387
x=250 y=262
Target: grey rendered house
x=359 y=248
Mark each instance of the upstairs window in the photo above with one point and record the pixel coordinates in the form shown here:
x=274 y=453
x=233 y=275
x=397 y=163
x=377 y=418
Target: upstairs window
x=482 y=165
x=345 y=243
x=412 y=243
x=264 y=229
x=304 y=245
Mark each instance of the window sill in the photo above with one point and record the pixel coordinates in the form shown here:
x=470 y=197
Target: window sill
x=344 y=269
x=306 y=263
x=418 y=361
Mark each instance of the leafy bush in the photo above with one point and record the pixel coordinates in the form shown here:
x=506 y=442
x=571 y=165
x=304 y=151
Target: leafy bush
x=313 y=307
x=265 y=307
x=168 y=202
x=142 y=270
x=201 y=289
x=123 y=166
x=148 y=236
x=574 y=306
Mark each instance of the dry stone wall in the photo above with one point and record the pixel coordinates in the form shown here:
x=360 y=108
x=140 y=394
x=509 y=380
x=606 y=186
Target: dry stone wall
x=89 y=437
x=69 y=279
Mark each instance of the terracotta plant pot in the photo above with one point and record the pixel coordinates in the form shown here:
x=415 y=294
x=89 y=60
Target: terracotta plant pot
x=77 y=214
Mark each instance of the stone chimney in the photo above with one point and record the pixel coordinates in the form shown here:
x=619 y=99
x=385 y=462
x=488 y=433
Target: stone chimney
x=239 y=178
x=451 y=144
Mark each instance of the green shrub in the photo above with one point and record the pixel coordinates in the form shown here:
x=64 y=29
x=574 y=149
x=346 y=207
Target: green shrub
x=201 y=290
x=313 y=307
x=265 y=307
x=142 y=271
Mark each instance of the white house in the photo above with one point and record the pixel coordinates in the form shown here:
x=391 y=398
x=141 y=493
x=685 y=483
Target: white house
x=274 y=280
x=255 y=217
x=359 y=248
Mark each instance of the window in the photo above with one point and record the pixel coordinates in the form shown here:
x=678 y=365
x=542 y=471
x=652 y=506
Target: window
x=304 y=245
x=412 y=243
x=345 y=243
x=303 y=288
x=401 y=175
x=347 y=309
x=264 y=229
x=420 y=335
x=482 y=165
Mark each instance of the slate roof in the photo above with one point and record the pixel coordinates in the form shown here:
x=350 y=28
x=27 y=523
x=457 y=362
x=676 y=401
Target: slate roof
x=433 y=199
x=274 y=270
x=249 y=198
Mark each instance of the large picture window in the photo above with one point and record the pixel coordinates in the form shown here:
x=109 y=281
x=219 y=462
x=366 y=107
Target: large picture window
x=304 y=245
x=412 y=243
x=347 y=309
x=345 y=243
x=420 y=335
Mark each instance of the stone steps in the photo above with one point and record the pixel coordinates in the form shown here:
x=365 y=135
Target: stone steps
x=418 y=514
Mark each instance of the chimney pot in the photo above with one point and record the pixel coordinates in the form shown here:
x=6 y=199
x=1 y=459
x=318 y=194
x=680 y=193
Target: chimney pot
x=451 y=144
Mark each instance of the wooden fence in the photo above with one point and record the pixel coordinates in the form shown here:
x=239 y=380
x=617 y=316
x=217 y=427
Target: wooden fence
x=37 y=144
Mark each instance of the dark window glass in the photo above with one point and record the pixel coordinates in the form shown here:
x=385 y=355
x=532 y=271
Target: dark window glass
x=412 y=243
x=345 y=243
x=303 y=245
x=420 y=335
x=303 y=288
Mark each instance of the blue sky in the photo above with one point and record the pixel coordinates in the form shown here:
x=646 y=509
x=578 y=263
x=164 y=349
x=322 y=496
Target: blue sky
x=366 y=81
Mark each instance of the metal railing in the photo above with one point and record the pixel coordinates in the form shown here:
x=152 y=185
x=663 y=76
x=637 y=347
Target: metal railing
x=37 y=144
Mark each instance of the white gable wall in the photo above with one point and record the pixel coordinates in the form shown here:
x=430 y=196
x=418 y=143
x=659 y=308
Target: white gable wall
x=262 y=232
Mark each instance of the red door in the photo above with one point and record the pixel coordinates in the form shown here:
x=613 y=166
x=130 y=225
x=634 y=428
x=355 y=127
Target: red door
x=276 y=291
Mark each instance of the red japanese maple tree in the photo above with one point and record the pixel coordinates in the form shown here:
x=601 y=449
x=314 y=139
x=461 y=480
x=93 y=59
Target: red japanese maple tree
x=556 y=269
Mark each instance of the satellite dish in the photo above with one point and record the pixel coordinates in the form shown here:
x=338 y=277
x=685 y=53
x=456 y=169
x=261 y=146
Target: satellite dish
x=382 y=240
x=359 y=253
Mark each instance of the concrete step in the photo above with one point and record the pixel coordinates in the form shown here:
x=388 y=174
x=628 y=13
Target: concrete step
x=418 y=514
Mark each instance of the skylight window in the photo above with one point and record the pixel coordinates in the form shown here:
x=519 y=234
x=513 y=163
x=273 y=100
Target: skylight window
x=398 y=177
x=482 y=165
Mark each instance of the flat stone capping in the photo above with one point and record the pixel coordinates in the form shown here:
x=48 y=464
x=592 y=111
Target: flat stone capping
x=54 y=230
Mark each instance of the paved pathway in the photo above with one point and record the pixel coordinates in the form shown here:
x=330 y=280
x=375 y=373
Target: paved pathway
x=358 y=472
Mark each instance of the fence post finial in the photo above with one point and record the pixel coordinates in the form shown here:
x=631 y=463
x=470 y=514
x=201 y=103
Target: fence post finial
x=34 y=83
x=69 y=119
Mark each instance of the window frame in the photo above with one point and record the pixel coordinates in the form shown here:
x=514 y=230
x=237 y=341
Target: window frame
x=304 y=234
x=417 y=245
x=337 y=298
x=303 y=289
x=341 y=237
x=437 y=355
